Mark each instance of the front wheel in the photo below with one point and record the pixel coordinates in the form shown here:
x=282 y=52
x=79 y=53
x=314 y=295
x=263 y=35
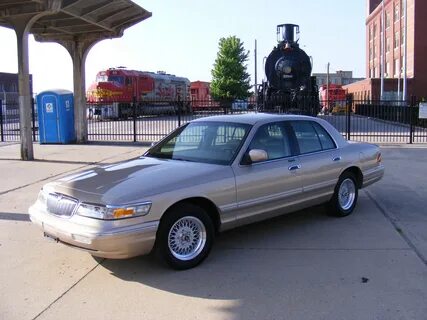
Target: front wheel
x=345 y=196
x=185 y=236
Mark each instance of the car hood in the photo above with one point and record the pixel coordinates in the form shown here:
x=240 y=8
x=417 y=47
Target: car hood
x=135 y=180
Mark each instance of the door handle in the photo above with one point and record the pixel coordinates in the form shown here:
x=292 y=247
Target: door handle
x=294 y=167
x=336 y=159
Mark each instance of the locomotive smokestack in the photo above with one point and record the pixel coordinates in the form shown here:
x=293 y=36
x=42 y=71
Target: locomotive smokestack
x=288 y=33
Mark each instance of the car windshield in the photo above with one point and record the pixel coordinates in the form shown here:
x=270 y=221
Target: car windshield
x=208 y=142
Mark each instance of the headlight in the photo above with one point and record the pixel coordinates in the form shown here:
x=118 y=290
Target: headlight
x=113 y=212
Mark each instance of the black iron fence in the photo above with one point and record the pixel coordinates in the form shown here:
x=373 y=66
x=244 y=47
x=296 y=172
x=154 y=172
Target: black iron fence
x=152 y=120
x=9 y=121
x=377 y=121
x=371 y=121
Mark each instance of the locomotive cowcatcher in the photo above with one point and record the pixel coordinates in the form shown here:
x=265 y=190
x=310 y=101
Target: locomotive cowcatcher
x=289 y=88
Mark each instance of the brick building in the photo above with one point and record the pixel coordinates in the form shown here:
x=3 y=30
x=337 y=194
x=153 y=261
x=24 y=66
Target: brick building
x=394 y=49
x=9 y=88
x=340 y=78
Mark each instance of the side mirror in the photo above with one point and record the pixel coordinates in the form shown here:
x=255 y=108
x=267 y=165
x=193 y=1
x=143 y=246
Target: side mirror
x=258 y=155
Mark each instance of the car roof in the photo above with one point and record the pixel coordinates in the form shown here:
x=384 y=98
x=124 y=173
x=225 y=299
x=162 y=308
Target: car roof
x=252 y=118
x=262 y=118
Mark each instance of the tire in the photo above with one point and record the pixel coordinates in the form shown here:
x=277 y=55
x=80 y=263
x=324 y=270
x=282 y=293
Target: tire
x=185 y=236
x=345 y=196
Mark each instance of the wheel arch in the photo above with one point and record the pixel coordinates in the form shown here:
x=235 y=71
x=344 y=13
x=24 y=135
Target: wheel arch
x=357 y=173
x=210 y=207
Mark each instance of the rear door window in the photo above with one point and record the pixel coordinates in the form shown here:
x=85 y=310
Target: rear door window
x=324 y=137
x=311 y=137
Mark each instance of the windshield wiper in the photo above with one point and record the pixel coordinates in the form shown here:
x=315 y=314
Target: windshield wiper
x=181 y=159
x=158 y=155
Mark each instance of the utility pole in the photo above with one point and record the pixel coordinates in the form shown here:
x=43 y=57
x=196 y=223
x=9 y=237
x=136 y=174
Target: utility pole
x=327 y=85
x=256 y=74
x=382 y=50
x=399 y=66
x=399 y=70
x=405 y=51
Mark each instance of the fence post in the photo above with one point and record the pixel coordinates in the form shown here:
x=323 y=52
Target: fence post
x=1 y=121
x=224 y=106
x=134 y=118
x=33 y=119
x=179 y=111
x=412 y=109
x=348 y=115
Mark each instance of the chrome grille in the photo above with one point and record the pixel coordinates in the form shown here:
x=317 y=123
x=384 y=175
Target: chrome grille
x=60 y=205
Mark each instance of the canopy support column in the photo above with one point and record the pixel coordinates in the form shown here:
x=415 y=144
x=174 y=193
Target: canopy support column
x=21 y=29
x=22 y=24
x=78 y=50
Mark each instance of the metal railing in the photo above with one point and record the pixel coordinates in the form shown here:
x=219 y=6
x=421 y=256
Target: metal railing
x=151 y=120
x=377 y=121
x=10 y=121
x=360 y=120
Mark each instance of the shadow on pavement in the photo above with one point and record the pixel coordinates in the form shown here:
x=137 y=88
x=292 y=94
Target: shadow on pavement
x=236 y=254
x=14 y=216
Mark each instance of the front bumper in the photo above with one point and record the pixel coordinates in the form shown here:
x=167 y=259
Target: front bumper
x=107 y=239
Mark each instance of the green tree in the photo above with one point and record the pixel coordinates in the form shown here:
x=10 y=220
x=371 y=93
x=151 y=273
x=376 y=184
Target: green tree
x=230 y=79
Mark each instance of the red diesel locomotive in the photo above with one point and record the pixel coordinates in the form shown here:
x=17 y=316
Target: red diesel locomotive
x=119 y=86
x=335 y=101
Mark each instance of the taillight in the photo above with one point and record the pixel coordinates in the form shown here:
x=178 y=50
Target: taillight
x=379 y=158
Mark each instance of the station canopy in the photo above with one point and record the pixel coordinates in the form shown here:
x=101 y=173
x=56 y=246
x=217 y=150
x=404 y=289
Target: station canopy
x=68 y=19
x=75 y=24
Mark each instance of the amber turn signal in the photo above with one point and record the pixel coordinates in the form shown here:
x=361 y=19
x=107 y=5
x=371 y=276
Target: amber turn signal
x=123 y=212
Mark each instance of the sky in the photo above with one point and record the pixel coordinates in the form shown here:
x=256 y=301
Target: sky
x=182 y=38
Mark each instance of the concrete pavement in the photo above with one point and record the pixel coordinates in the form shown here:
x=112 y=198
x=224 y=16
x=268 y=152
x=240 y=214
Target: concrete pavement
x=306 y=265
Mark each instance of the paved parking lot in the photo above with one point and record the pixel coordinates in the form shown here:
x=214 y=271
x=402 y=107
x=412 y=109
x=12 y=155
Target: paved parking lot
x=306 y=265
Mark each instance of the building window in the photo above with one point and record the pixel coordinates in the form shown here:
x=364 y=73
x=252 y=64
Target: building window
x=387 y=70
x=375 y=31
x=387 y=20
x=370 y=53
x=402 y=37
x=387 y=44
x=396 y=40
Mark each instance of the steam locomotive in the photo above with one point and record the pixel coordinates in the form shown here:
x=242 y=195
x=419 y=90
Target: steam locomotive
x=289 y=88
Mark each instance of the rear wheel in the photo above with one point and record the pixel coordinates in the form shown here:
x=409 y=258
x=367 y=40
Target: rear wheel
x=185 y=236
x=345 y=196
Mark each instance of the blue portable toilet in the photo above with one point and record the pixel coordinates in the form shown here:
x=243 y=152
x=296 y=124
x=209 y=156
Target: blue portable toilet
x=56 y=116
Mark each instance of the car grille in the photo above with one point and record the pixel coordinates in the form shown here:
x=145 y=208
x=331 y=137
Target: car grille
x=60 y=205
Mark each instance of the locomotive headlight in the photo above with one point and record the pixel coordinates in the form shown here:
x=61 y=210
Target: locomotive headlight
x=287 y=70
